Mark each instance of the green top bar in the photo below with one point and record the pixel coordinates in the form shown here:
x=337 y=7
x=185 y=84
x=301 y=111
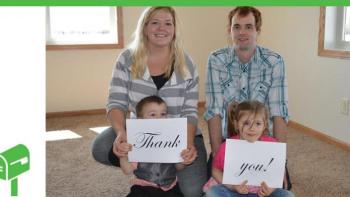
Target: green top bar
x=174 y=2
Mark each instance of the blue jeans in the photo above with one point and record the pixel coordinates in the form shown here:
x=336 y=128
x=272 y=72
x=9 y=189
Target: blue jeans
x=191 y=179
x=222 y=191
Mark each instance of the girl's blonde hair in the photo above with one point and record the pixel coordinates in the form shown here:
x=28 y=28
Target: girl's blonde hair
x=236 y=111
x=139 y=51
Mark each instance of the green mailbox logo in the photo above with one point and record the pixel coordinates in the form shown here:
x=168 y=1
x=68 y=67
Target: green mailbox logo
x=14 y=162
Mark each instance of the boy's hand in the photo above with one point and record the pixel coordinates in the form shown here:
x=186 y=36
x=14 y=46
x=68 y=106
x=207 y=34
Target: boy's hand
x=189 y=155
x=265 y=190
x=242 y=188
x=120 y=146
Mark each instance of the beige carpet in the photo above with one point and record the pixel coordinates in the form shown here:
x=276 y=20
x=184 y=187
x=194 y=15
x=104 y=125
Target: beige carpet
x=316 y=168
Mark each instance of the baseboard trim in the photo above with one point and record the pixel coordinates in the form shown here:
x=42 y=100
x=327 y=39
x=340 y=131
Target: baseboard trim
x=319 y=135
x=75 y=113
x=88 y=112
x=299 y=127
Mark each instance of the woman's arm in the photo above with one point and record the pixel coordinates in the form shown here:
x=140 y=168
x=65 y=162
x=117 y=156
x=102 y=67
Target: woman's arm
x=117 y=120
x=118 y=101
x=190 y=109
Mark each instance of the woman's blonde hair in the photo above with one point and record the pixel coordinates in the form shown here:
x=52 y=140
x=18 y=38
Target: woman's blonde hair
x=139 y=51
x=236 y=111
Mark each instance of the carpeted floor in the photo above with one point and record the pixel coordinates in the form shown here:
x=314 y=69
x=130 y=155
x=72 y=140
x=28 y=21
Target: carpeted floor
x=317 y=169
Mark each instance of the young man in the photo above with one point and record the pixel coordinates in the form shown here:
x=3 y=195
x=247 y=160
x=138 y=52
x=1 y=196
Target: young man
x=245 y=71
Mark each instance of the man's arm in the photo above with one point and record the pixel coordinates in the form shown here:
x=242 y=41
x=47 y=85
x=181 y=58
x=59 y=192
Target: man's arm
x=279 y=129
x=280 y=133
x=214 y=127
x=214 y=101
x=278 y=97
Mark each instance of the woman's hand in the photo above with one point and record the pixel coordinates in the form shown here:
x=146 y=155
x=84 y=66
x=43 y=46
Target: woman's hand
x=189 y=155
x=120 y=146
x=265 y=190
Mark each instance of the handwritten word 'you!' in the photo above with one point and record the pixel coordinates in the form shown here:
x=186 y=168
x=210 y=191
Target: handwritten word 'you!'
x=253 y=167
x=151 y=140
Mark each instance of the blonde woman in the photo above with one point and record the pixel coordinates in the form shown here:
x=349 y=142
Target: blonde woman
x=155 y=64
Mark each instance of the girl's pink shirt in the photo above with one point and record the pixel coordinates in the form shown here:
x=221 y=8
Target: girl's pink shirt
x=219 y=159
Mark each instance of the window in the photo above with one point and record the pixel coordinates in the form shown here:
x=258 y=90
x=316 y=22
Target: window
x=83 y=28
x=347 y=25
x=334 y=32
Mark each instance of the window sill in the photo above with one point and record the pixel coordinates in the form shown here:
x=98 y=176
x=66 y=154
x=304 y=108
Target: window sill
x=84 y=46
x=334 y=53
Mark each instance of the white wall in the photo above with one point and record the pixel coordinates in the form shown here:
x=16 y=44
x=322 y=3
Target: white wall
x=78 y=79
x=316 y=84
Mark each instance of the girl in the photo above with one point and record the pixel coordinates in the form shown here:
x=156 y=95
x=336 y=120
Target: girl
x=250 y=121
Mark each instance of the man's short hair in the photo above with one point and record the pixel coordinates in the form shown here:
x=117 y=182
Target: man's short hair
x=244 y=11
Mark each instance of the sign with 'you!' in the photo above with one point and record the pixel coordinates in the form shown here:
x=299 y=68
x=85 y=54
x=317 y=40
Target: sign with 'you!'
x=157 y=140
x=255 y=162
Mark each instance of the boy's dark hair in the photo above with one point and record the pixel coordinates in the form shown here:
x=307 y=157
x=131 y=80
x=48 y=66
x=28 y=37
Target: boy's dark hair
x=252 y=106
x=244 y=11
x=146 y=100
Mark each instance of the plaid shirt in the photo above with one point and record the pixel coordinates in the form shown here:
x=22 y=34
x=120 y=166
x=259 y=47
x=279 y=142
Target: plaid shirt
x=179 y=93
x=262 y=78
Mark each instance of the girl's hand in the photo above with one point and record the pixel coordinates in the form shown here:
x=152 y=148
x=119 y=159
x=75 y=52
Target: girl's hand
x=189 y=155
x=265 y=190
x=242 y=188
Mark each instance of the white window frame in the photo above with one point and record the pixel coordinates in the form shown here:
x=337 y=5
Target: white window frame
x=56 y=46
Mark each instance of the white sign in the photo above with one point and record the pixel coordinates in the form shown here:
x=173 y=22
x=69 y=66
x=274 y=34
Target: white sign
x=255 y=162
x=157 y=140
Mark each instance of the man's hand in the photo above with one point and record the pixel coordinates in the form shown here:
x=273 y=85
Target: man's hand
x=265 y=190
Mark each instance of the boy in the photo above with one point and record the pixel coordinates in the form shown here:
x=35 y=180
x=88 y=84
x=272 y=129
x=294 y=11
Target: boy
x=153 y=179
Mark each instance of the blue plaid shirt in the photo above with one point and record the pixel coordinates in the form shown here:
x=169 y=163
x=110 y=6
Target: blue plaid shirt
x=263 y=78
